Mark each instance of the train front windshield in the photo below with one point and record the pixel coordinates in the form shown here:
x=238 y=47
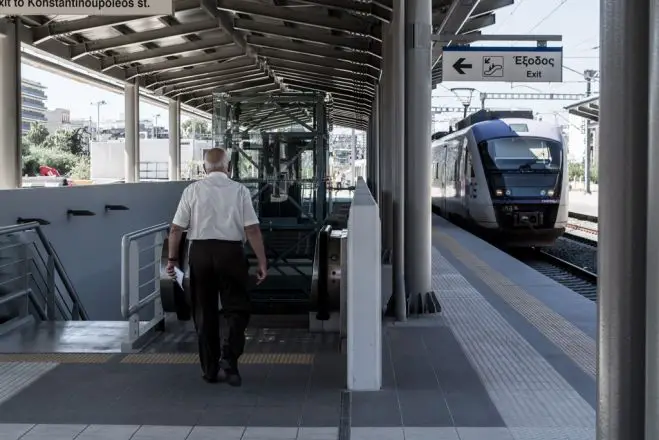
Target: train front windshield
x=522 y=154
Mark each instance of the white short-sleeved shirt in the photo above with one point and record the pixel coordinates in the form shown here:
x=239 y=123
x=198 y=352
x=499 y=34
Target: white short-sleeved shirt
x=216 y=208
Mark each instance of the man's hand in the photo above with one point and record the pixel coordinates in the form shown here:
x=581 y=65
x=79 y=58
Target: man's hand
x=261 y=273
x=170 y=269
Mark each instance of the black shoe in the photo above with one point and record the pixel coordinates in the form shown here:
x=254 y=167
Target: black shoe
x=232 y=375
x=210 y=379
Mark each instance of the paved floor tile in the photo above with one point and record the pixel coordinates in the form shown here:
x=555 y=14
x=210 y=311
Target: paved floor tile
x=318 y=434
x=216 y=433
x=268 y=433
x=53 y=432
x=431 y=434
x=484 y=434
x=162 y=433
x=377 y=434
x=108 y=432
x=12 y=431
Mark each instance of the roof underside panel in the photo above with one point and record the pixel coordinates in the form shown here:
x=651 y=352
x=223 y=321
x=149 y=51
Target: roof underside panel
x=250 y=46
x=588 y=108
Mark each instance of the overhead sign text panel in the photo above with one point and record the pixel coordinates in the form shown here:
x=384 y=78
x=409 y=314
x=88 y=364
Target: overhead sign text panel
x=86 y=7
x=503 y=64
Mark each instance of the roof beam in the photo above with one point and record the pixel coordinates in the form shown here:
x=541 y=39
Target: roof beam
x=347 y=88
x=191 y=83
x=242 y=88
x=346 y=24
x=160 y=79
x=329 y=89
x=58 y=28
x=218 y=43
x=94 y=46
x=209 y=89
x=217 y=83
x=314 y=50
x=302 y=67
x=351 y=7
x=226 y=23
x=366 y=71
x=311 y=35
x=221 y=54
x=326 y=78
x=474 y=24
x=489 y=6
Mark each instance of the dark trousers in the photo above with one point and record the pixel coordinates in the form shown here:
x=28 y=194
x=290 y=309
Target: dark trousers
x=219 y=269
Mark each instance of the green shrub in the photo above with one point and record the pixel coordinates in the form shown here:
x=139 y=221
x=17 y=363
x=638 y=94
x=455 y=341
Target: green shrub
x=62 y=161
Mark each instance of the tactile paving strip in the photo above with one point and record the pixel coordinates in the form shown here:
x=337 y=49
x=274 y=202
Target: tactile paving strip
x=192 y=358
x=60 y=358
x=18 y=375
x=580 y=347
x=526 y=390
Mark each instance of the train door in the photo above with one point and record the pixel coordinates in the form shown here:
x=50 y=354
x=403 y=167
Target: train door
x=469 y=174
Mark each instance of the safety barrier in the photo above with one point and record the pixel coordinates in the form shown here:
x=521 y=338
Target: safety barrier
x=364 y=298
x=135 y=278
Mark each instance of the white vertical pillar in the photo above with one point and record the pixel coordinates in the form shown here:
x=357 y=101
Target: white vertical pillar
x=132 y=130
x=418 y=91
x=11 y=163
x=174 y=146
x=178 y=140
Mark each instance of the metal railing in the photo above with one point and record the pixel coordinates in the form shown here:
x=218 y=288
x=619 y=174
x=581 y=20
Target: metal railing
x=137 y=278
x=33 y=282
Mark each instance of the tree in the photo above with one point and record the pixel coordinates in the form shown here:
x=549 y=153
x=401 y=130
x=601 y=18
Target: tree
x=73 y=142
x=62 y=161
x=193 y=127
x=37 y=134
x=575 y=171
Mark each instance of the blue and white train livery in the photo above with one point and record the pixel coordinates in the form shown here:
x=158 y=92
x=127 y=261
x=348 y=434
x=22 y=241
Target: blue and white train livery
x=505 y=174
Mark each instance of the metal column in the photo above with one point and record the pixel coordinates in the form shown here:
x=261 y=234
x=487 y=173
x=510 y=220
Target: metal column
x=397 y=90
x=11 y=163
x=623 y=219
x=375 y=121
x=386 y=117
x=418 y=122
x=652 y=288
x=131 y=128
x=178 y=139
x=174 y=145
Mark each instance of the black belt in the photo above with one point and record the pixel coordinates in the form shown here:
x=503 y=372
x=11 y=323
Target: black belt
x=214 y=240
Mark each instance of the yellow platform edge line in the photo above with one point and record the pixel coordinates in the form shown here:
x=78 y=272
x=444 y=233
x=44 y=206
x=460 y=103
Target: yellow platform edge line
x=192 y=358
x=61 y=358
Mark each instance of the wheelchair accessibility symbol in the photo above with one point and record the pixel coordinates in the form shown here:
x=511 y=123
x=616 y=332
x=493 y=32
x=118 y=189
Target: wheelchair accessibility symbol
x=492 y=67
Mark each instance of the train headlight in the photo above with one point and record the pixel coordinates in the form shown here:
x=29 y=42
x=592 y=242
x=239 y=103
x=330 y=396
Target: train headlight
x=498 y=192
x=508 y=192
x=550 y=193
x=543 y=192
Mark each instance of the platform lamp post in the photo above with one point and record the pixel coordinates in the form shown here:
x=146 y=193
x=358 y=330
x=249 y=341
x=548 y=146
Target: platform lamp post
x=98 y=105
x=465 y=94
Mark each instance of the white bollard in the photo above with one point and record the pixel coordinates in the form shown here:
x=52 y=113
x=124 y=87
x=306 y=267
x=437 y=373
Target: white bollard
x=364 y=293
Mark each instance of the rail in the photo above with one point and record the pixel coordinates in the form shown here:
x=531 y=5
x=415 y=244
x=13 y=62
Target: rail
x=135 y=279
x=33 y=272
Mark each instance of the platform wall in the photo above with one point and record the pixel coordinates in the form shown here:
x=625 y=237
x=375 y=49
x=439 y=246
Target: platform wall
x=89 y=247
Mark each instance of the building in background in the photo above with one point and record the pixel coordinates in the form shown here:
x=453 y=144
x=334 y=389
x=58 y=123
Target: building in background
x=34 y=103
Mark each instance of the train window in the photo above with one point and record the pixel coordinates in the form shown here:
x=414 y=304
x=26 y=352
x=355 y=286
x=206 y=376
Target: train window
x=522 y=153
x=519 y=128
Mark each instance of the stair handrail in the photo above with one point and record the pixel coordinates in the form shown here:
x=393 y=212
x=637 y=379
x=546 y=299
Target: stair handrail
x=78 y=307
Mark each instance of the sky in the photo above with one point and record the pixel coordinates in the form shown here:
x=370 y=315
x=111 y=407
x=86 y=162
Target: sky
x=576 y=20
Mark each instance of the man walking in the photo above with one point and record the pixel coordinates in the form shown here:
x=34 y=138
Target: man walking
x=219 y=216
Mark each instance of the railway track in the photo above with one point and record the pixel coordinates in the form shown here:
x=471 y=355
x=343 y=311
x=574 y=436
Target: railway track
x=580 y=239
x=573 y=277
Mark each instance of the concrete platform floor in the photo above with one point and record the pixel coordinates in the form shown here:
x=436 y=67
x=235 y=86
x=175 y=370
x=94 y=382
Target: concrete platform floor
x=512 y=357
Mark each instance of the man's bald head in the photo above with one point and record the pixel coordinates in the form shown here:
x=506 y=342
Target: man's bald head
x=217 y=159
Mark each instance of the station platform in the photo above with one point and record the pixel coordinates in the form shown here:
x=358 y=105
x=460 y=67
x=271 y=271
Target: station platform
x=511 y=357
x=582 y=203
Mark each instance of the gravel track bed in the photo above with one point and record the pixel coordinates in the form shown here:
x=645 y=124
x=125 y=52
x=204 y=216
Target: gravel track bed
x=576 y=253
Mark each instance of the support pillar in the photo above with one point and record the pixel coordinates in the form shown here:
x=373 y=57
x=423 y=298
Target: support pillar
x=11 y=163
x=418 y=124
x=623 y=207
x=397 y=41
x=174 y=144
x=375 y=121
x=386 y=142
x=178 y=139
x=652 y=298
x=132 y=130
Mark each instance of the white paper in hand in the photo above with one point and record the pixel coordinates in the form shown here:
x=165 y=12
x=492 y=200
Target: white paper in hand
x=178 y=276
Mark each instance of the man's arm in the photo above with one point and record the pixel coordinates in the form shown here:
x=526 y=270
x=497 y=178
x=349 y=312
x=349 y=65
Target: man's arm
x=179 y=224
x=253 y=228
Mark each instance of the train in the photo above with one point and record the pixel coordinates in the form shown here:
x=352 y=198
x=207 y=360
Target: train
x=504 y=175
